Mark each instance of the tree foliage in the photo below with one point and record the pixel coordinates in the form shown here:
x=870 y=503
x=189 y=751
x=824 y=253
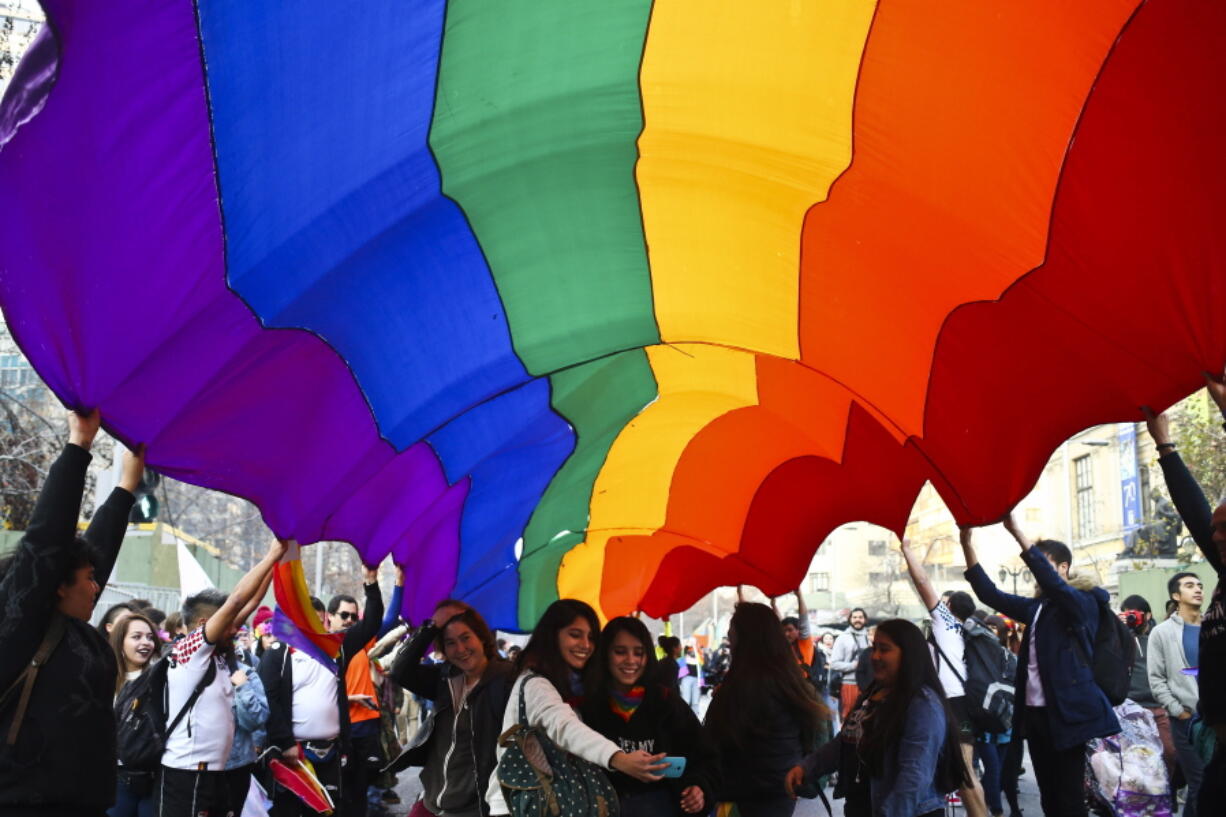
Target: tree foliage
x=1197 y=429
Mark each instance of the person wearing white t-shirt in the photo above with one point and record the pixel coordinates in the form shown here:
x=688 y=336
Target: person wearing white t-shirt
x=308 y=704
x=193 y=779
x=947 y=652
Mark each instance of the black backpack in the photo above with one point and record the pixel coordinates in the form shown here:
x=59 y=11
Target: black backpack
x=991 y=671
x=816 y=671
x=951 y=773
x=140 y=716
x=1115 y=651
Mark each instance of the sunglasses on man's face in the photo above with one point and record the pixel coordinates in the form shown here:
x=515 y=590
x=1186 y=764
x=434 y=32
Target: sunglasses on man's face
x=346 y=616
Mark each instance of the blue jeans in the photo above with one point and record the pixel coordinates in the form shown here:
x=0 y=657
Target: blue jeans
x=991 y=755
x=133 y=796
x=1193 y=767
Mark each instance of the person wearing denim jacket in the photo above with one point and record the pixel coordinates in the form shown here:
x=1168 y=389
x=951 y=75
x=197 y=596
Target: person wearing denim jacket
x=250 y=718
x=904 y=781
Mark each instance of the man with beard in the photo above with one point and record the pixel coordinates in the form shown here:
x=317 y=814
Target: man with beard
x=847 y=648
x=194 y=780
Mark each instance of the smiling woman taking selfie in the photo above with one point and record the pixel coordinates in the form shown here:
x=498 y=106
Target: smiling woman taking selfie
x=550 y=675
x=630 y=705
x=468 y=692
x=898 y=750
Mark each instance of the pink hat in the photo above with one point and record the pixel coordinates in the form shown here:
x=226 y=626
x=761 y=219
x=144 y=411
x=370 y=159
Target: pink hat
x=261 y=615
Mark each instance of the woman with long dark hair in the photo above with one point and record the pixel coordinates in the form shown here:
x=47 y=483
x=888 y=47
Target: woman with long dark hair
x=136 y=645
x=631 y=705
x=550 y=673
x=898 y=749
x=764 y=717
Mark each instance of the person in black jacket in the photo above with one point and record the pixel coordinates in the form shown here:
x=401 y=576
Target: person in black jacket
x=636 y=712
x=64 y=758
x=1208 y=528
x=764 y=718
x=136 y=646
x=470 y=693
x=668 y=669
x=308 y=704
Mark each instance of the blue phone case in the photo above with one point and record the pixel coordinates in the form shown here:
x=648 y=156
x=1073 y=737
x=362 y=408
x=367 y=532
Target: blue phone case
x=676 y=767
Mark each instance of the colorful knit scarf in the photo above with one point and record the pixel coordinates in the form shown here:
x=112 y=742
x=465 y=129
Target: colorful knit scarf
x=624 y=704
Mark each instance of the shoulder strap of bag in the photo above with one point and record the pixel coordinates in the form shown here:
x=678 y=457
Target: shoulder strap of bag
x=822 y=794
x=51 y=640
x=523 y=708
x=932 y=640
x=209 y=675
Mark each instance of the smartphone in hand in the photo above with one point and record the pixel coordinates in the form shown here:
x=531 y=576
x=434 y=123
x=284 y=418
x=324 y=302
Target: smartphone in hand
x=675 y=768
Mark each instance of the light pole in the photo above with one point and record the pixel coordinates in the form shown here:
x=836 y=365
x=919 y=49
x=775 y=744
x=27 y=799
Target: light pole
x=1021 y=571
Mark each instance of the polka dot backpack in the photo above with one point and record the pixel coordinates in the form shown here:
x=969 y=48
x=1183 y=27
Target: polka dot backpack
x=541 y=780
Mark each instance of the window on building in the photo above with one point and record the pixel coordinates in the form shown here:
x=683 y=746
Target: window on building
x=877 y=547
x=15 y=372
x=1083 y=475
x=819 y=582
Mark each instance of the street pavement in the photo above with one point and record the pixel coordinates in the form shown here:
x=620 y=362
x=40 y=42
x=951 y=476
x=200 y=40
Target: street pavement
x=1028 y=798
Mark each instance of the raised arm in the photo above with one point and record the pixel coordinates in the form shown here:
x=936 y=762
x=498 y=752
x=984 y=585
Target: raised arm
x=1216 y=384
x=919 y=577
x=393 y=608
x=362 y=633
x=802 y=613
x=110 y=521
x=408 y=670
x=1015 y=530
x=986 y=590
x=1080 y=606
x=28 y=587
x=219 y=624
x=256 y=597
x=966 y=537
x=1186 y=494
x=388 y=640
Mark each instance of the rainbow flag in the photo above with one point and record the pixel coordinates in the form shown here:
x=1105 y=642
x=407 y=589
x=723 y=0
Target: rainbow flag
x=614 y=299
x=295 y=621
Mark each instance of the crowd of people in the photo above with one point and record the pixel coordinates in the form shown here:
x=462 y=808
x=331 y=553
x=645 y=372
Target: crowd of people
x=897 y=716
